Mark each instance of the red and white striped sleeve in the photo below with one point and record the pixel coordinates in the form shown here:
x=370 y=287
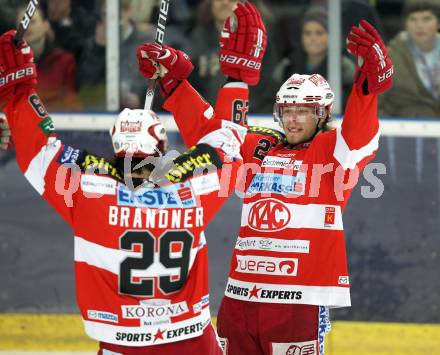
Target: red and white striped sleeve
x=358 y=136
x=192 y=113
x=38 y=151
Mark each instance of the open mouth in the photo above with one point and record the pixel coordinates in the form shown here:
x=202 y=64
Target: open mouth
x=294 y=130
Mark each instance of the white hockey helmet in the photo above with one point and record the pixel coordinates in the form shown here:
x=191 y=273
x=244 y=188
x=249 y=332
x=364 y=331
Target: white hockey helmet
x=138 y=132
x=304 y=90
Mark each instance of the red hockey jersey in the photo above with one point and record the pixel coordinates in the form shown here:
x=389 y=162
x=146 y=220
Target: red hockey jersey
x=140 y=256
x=291 y=246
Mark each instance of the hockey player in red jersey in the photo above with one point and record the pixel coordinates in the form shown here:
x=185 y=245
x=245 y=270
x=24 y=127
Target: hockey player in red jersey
x=140 y=254
x=289 y=263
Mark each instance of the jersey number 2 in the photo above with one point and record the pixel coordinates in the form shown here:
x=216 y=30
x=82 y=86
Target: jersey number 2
x=262 y=148
x=144 y=286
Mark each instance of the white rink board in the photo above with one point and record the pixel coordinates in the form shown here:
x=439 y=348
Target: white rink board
x=388 y=126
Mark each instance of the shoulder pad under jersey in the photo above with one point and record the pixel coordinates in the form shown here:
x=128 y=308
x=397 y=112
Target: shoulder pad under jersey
x=202 y=156
x=270 y=132
x=98 y=165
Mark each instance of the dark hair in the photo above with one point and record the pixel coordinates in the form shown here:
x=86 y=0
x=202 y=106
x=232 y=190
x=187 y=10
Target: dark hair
x=327 y=126
x=315 y=14
x=118 y=162
x=411 y=6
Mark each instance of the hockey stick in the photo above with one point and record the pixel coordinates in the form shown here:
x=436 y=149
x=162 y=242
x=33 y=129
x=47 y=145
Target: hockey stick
x=160 y=33
x=24 y=23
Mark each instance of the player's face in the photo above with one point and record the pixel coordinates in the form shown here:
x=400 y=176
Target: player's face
x=314 y=38
x=299 y=123
x=422 y=26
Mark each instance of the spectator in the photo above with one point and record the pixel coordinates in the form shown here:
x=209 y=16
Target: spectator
x=145 y=14
x=352 y=11
x=56 y=67
x=203 y=51
x=71 y=24
x=7 y=15
x=416 y=56
x=311 y=56
x=92 y=66
x=142 y=14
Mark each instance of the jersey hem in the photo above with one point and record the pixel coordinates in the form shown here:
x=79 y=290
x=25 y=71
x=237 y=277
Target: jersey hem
x=142 y=336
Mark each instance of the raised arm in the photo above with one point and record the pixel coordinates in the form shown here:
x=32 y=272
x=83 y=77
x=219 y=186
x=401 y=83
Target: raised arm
x=356 y=141
x=241 y=51
x=39 y=154
x=171 y=67
x=358 y=136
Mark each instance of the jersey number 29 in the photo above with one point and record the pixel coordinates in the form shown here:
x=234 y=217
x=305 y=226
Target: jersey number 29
x=167 y=259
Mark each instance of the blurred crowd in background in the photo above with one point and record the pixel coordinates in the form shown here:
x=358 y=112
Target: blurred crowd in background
x=69 y=41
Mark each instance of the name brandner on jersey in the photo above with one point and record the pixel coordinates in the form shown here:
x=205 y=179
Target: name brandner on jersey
x=146 y=218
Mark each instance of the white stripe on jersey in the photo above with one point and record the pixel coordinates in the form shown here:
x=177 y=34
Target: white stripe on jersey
x=330 y=296
x=209 y=112
x=301 y=216
x=236 y=84
x=137 y=336
x=37 y=168
x=349 y=158
x=273 y=244
x=101 y=257
x=110 y=259
x=224 y=139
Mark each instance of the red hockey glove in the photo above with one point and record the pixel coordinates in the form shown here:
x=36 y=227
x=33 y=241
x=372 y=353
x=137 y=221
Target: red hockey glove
x=242 y=44
x=374 y=65
x=168 y=65
x=17 y=68
x=5 y=135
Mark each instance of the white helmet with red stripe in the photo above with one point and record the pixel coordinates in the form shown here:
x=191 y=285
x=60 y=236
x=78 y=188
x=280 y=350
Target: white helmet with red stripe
x=139 y=133
x=304 y=90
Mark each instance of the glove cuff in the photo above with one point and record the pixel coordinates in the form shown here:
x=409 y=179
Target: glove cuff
x=167 y=87
x=245 y=68
x=247 y=62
